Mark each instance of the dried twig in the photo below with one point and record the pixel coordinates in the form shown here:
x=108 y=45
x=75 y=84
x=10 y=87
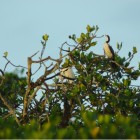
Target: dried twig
x=45 y=59
x=9 y=62
x=34 y=54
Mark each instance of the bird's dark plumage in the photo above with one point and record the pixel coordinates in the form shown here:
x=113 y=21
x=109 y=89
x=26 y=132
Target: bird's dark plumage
x=108 y=50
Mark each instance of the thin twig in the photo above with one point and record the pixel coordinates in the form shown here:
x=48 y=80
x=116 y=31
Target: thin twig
x=79 y=45
x=2 y=72
x=98 y=54
x=34 y=54
x=2 y=77
x=6 y=66
x=9 y=62
x=45 y=59
x=52 y=76
x=99 y=36
x=125 y=68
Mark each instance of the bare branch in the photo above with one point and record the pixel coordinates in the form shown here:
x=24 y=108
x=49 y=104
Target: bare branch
x=125 y=68
x=34 y=54
x=78 y=46
x=33 y=95
x=98 y=55
x=25 y=105
x=98 y=36
x=45 y=59
x=52 y=76
x=12 y=111
x=2 y=77
x=2 y=72
x=9 y=62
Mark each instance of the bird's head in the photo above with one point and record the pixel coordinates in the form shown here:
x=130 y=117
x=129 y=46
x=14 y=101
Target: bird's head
x=107 y=38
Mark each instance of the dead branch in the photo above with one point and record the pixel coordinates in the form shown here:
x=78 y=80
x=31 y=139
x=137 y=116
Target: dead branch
x=34 y=54
x=9 y=62
x=45 y=59
x=12 y=111
x=33 y=95
x=25 y=107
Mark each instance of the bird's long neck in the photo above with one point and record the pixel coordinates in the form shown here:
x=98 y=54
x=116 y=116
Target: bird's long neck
x=107 y=41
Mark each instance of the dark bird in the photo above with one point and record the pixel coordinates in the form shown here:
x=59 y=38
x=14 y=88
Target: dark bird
x=108 y=50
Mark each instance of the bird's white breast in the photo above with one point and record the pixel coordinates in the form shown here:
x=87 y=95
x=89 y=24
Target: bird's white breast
x=67 y=72
x=107 y=50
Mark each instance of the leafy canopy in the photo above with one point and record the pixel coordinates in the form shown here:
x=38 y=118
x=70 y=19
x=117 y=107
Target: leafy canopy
x=101 y=102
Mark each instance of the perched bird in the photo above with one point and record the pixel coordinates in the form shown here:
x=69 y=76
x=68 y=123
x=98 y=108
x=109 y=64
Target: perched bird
x=68 y=73
x=108 y=50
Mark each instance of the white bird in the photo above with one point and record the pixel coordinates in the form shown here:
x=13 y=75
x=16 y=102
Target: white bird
x=108 y=50
x=67 y=72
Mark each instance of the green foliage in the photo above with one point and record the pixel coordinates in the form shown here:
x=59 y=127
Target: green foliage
x=134 y=50
x=13 y=89
x=100 y=102
x=45 y=37
x=93 y=125
x=5 y=54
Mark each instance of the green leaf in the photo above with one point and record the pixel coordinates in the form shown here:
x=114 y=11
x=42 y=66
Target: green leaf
x=129 y=54
x=82 y=87
x=88 y=28
x=82 y=55
x=135 y=74
x=134 y=50
x=45 y=37
x=87 y=35
x=127 y=92
x=99 y=77
x=87 y=47
x=121 y=45
x=93 y=43
x=76 y=53
x=79 y=40
x=126 y=82
x=83 y=35
x=5 y=54
x=67 y=61
x=97 y=28
x=73 y=36
x=90 y=55
x=127 y=64
x=104 y=88
x=139 y=65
